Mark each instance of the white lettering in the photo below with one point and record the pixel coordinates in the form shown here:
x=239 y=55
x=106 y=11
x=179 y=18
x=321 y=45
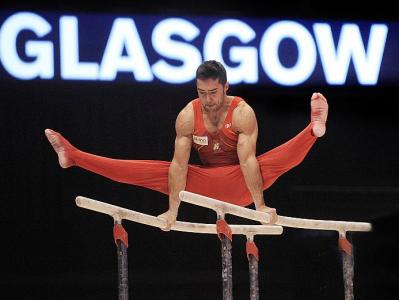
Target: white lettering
x=124 y=35
x=71 y=68
x=270 y=59
x=247 y=71
x=177 y=51
x=188 y=54
x=336 y=61
x=42 y=51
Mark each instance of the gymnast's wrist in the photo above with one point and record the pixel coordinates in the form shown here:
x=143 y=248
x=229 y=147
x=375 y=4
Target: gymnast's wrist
x=260 y=205
x=173 y=208
x=259 y=201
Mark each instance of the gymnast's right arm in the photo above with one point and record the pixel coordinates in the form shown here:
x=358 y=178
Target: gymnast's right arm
x=179 y=166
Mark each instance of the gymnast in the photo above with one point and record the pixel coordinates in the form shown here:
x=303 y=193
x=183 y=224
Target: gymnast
x=223 y=129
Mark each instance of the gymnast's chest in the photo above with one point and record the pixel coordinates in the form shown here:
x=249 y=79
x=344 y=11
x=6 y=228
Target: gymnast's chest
x=221 y=140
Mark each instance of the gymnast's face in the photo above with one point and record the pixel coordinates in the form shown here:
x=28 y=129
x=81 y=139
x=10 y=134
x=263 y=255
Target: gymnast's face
x=212 y=94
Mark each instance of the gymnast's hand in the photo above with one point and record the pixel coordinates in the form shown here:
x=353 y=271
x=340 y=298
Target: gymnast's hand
x=271 y=211
x=170 y=218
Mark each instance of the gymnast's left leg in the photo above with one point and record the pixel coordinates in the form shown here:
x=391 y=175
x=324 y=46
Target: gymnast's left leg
x=279 y=160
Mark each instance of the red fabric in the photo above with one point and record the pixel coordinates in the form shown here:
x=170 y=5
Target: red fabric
x=252 y=249
x=225 y=183
x=120 y=234
x=223 y=229
x=219 y=148
x=345 y=245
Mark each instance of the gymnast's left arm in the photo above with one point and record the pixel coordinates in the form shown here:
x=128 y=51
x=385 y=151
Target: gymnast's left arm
x=244 y=122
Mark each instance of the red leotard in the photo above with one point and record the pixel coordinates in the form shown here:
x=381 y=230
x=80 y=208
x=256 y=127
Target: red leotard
x=220 y=178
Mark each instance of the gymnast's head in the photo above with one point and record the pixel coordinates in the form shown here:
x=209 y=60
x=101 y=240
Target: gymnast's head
x=212 y=85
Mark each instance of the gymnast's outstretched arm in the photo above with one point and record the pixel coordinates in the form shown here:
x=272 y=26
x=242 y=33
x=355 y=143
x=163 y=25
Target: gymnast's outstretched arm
x=244 y=122
x=177 y=176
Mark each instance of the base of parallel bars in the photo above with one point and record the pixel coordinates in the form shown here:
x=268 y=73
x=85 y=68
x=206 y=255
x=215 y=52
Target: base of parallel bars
x=121 y=240
x=253 y=266
x=227 y=268
x=347 y=266
x=253 y=278
x=226 y=237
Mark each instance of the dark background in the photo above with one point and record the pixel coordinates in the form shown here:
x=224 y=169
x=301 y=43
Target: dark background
x=51 y=249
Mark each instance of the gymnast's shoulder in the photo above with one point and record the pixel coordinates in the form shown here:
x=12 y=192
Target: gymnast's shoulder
x=185 y=119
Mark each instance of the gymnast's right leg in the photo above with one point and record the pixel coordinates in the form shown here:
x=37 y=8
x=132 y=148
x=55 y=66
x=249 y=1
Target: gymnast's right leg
x=152 y=174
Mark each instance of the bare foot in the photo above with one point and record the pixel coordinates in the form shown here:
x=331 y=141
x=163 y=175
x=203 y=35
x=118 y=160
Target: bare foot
x=319 y=112
x=61 y=146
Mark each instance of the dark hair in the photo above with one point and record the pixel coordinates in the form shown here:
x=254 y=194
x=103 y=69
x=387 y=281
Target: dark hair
x=212 y=69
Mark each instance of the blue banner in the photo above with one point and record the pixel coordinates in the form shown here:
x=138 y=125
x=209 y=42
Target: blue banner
x=168 y=49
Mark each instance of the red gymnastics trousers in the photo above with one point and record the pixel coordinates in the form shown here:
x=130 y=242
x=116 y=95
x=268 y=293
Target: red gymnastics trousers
x=224 y=183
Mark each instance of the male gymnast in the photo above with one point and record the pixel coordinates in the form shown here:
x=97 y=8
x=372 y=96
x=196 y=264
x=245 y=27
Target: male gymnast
x=223 y=129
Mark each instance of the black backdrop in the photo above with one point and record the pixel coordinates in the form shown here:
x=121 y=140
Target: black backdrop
x=52 y=249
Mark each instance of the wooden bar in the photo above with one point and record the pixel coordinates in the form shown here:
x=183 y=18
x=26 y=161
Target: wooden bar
x=221 y=207
x=228 y=208
x=119 y=213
